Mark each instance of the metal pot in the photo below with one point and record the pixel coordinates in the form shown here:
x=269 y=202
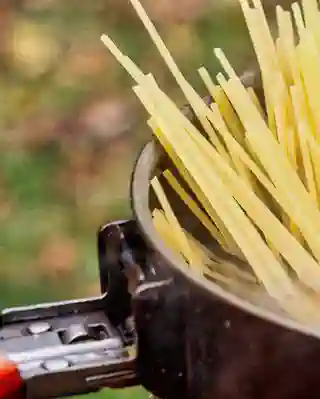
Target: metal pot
x=198 y=341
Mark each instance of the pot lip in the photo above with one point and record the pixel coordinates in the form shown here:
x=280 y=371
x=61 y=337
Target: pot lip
x=143 y=170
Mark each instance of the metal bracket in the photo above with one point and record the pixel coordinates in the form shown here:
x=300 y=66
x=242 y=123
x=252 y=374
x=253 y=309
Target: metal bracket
x=80 y=346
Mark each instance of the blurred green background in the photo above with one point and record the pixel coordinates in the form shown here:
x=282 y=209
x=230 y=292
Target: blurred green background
x=71 y=128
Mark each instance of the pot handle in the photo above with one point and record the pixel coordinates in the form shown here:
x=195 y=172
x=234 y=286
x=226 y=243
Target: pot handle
x=157 y=306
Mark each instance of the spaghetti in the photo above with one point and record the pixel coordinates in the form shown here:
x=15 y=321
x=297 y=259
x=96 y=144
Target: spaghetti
x=254 y=170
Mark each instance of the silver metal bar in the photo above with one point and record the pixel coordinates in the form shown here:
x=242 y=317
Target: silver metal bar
x=65 y=350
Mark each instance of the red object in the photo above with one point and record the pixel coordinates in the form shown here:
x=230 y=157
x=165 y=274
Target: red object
x=11 y=382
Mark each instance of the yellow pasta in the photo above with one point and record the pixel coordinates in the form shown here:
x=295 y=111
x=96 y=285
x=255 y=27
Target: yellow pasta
x=254 y=171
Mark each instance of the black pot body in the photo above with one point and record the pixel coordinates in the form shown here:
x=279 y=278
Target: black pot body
x=200 y=343
x=194 y=345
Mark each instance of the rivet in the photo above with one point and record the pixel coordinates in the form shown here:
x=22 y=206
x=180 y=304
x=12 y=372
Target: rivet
x=39 y=328
x=56 y=364
x=227 y=324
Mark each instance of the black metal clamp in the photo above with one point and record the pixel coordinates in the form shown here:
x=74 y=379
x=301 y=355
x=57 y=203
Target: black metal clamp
x=74 y=347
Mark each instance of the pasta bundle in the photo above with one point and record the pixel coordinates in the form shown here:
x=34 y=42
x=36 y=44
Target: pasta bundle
x=254 y=170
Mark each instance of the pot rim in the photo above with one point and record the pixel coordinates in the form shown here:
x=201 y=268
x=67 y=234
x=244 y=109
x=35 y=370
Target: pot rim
x=142 y=173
